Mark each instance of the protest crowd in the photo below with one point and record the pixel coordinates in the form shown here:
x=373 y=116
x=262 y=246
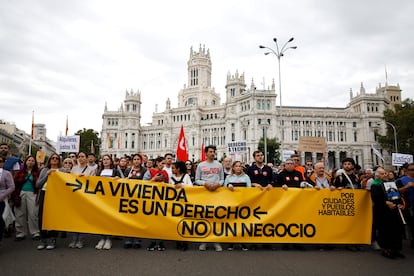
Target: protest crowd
x=23 y=186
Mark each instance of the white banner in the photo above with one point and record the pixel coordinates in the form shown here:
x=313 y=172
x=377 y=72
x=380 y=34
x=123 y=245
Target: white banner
x=398 y=159
x=234 y=148
x=68 y=143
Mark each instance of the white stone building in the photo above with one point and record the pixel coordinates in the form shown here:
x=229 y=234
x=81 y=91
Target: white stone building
x=246 y=112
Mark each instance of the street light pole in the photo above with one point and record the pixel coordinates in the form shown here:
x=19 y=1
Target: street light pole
x=279 y=53
x=395 y=136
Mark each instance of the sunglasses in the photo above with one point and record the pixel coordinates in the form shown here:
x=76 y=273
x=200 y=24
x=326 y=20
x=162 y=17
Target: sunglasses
x=187 y=164
x=54 y=158
x=72 y=156
x=67 y=163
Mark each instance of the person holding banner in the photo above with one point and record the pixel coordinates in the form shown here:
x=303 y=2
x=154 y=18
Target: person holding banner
x=157 y=174
x=210 y=174
x=345 y=177
x=81 y=169
x=47 y=237
x=136 y=171
x=260 y=174
x=237 y=178
x=108 y=170
x=180 y=179
x=289 y=177
x=320 y=178
x=387 y=202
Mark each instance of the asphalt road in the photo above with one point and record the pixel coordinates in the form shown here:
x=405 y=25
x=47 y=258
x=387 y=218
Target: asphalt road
x=22 y=258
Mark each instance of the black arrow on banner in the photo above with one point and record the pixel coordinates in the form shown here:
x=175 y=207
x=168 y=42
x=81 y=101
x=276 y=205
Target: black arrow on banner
x=256 y=212
x=77 y=186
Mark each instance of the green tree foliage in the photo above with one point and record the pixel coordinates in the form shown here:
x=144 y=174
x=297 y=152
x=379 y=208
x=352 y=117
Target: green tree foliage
x=273 y=153
x=86 y=138
x=402 y=118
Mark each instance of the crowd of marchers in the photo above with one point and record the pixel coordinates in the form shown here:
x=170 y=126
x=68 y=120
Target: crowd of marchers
x=23 y=186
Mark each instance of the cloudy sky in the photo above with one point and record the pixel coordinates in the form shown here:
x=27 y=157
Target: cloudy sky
x=67 y=58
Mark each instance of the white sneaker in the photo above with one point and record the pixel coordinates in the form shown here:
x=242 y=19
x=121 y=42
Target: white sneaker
x=202 y=247
x=218 y=248
x=42 y=245
x=72 y=244
x=79 y=244
x=375 y=246
x=100 y=244
x=108 y=244
x=51 y=244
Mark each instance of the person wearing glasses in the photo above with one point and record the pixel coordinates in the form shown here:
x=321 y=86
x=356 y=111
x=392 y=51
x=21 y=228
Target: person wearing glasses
x=6 y=188
x=47 y=238
x=298 y=165
x=74 y=158
x=68 y=165
x=190 y=170
x=309 y=169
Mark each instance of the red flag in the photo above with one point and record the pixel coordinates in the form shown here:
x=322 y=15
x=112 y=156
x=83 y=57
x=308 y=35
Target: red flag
x=203 y=153
x=182 y=146
x=32 y=135
x=67 y=127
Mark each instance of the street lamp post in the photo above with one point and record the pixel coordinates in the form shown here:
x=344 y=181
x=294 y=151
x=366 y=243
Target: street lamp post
x=279 y=52
x=395 y=136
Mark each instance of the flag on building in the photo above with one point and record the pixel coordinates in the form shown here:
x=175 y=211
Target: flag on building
x=67 y=127
x=32 y=134
x=182 y=146
x=203 y=154
x=377 y=152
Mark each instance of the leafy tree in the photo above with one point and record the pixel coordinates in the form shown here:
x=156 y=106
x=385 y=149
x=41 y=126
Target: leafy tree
x=273 y=154
x=402 y=119
x=86 y=138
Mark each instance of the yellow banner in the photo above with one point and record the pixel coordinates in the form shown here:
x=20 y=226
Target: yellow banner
x=134 y=208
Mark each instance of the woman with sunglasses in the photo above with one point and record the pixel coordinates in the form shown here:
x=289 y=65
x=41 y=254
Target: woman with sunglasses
x=6 y=188
x=26 y=208
x=190 y=170
x=47 y=237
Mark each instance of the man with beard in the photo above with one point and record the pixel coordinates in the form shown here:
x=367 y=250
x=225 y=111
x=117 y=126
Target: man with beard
x=210 y=174
x=345 y=177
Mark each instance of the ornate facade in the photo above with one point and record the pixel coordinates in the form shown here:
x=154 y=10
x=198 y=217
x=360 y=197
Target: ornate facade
x=246 y=115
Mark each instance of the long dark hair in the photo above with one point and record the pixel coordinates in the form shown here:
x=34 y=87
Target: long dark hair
x=35 y=168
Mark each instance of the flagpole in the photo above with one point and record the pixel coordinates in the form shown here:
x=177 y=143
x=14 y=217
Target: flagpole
x=31 y=134
x=67 y=126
